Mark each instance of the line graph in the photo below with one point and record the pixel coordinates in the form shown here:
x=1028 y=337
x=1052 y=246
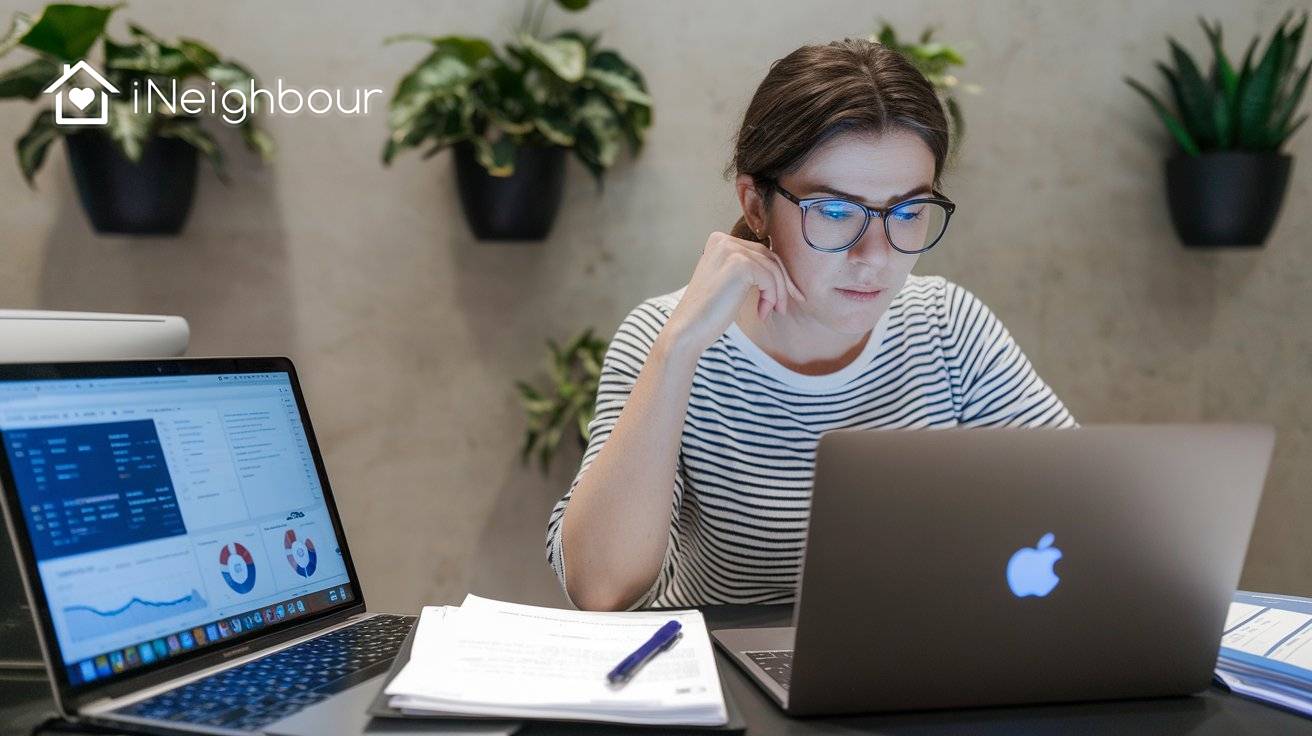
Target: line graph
x=87 y=622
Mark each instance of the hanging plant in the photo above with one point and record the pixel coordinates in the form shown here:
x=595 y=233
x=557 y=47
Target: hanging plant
x=519 y=109
x=65 y=34
x=567 y=405
x=935 y=60
x=135 y=169
x=1227 y=176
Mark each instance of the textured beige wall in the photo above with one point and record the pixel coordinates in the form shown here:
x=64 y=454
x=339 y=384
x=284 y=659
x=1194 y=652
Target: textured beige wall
x=408 y=333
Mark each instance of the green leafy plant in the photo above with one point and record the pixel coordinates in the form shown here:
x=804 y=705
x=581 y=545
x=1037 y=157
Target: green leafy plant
x=935 y=60
x=558 y=90
x=568 y=403
x=64 y=34
x=1250 y=107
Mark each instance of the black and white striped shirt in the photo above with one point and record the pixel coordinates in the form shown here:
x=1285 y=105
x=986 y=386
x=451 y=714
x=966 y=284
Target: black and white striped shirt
x=937 y=357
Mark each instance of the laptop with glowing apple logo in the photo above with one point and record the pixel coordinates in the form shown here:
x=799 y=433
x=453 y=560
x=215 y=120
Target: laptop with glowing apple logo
x=966 y=567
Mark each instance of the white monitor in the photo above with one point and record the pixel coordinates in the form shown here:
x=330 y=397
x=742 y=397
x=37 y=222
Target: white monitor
x=35 y=336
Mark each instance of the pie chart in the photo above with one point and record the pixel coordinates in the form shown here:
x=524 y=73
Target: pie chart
x=238 y=567
x=300 y=553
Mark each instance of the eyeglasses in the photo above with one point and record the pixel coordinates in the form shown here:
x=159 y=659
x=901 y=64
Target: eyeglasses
x=834 y=224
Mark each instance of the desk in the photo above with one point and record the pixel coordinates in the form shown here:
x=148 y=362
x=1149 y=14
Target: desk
x=1212 y=712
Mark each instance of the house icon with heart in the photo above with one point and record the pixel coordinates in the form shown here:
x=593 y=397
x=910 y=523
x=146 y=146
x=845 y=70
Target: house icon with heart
x=81 y=98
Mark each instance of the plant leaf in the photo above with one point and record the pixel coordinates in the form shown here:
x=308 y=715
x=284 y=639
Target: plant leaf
x=1224 y=72
x=556 y=128
x=147 y=58
x=526 y=451
x=439 y=74
x=1285 y=135
x=18 y=26
x=1193 y=97
x=619 y=86
x=600 y=121
x=29 y=80
x=34 y=143
x=190 y=131
x=199 y=53
x=129 y=129
x=1173 y=123
x=497 y=157
x=589 y=40
x=1225 y=80
x=584 y=419
x=1256 y=95
x=564 y=56
x=636 y=121
x=1290 y=48
x=258 y=140
x=1286 y=107
x=571 y=405
x=67 y=32
x=887 y=35
x=938 y=53
x=466 y=48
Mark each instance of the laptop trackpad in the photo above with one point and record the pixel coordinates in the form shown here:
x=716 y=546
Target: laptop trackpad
x=755 y=639
x=346 y=713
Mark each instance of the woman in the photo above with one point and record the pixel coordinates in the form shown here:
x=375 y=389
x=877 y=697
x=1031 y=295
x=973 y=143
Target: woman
x=695 y=485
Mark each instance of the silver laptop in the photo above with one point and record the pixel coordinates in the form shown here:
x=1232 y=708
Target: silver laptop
x=966 y=567
x=179 y=544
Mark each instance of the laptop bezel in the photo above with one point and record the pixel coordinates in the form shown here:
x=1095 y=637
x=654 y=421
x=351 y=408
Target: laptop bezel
x=70 y=699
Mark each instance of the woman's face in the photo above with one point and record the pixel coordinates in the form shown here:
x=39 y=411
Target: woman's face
x=873 y=170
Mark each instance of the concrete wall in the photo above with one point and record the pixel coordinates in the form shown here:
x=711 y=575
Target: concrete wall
x=408 y=333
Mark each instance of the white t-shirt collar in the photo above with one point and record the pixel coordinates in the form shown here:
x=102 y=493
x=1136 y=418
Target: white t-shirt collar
x=824 y=382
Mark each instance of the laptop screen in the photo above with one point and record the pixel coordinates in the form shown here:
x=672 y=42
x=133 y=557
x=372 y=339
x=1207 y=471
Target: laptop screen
x=168 y=514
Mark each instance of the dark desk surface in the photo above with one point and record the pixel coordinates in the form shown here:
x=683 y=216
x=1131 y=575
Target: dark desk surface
x=1210 y=712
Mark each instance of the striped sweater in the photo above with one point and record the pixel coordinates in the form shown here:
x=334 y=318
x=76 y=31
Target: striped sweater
x=741 y=488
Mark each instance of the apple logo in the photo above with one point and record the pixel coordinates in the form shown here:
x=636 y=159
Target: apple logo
x=1029 y=572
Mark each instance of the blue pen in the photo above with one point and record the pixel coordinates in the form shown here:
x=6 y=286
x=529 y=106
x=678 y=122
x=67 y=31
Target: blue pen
x=659 y=642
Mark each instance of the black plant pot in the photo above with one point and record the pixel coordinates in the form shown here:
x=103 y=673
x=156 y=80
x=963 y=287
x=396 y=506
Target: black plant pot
x=521 y=206
x=1226 y=197
x=150 y=197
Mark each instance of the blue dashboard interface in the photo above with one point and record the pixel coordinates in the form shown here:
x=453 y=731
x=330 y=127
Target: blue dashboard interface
x=168 y=513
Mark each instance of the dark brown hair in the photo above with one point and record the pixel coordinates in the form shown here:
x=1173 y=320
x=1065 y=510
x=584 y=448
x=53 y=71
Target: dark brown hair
x=818 y=92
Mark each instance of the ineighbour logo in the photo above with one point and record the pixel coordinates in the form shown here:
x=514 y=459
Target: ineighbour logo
x=89 y=105
x=235 y=104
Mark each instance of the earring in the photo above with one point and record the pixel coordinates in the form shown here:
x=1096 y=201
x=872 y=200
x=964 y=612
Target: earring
x=768 y=243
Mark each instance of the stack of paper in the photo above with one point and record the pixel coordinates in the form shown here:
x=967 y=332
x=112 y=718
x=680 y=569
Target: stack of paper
x=489 y=658
x=1266 y=651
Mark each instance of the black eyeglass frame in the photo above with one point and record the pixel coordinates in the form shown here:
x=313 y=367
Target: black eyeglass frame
x=882 y=212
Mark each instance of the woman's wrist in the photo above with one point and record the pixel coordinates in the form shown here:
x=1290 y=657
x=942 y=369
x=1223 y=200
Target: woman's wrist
x=676 y=348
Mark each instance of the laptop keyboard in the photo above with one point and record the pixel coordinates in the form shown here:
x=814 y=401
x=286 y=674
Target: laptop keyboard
x=777 y=663
x=255 y=694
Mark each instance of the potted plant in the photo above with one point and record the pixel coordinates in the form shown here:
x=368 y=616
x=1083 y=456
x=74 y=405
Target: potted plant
x=136 y=172
x=512 y=115
x=935 y=60
x=1227 y=178
x=567 y=405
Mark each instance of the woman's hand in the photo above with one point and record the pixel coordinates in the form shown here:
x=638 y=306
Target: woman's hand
x=727 y=273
